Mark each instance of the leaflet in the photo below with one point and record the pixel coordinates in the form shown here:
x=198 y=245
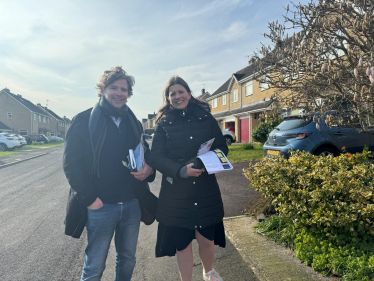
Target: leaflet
x=215 y=161
x=135 y=158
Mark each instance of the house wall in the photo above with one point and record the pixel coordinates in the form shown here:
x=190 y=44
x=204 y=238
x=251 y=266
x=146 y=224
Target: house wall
x=21 y=116
x=257 y=95
x=220 y=107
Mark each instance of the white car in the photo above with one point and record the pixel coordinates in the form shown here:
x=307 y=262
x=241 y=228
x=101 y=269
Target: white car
x=22 y=140
x=55 y=138
x=8 y=142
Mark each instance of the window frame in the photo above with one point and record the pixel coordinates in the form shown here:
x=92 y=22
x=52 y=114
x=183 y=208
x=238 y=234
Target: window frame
x=247 y=85
x=224 y=101
x=235 y=95
x=214 y=103
x=9 y=115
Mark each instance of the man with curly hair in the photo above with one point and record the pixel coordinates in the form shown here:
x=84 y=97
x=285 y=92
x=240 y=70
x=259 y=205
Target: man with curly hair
x=105 y=196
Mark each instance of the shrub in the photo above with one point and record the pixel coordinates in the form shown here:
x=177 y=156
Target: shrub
x=329 y=202
x=247 y=146
x=261 y=133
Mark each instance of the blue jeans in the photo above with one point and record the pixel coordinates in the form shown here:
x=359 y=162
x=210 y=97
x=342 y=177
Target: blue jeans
x=124 y=220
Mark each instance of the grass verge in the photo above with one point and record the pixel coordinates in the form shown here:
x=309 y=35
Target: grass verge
x=238 y=153
x=7 y=153
x=41 y=145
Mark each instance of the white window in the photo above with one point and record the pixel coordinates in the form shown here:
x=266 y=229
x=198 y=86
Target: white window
x=23 y=132
x=249 y=89
x=52 y=134
x=40 y=118
x=34 y=117
x=44 y=120
x=235 y=95
x=264 y=85
x=214 y=103
x=48 y=120
x=9 y=115
x=224 y=100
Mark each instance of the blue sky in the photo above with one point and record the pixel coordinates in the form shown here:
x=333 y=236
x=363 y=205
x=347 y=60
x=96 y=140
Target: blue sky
x=57 y=50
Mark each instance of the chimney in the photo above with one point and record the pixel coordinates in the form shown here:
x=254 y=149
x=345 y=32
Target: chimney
x=203 y=91
x=38 y=104
x=19 y=96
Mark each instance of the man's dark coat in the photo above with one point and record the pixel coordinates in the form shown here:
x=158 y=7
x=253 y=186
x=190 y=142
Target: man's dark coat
x=78 y=159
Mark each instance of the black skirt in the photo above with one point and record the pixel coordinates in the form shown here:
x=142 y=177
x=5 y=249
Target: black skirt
x=172 y=239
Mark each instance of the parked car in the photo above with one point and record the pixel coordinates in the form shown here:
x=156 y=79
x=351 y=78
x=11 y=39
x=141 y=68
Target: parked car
x=299 y=132
x=55 y=138
x=229 y=136
x=21 y=140
x=8 y=142
x=38 y=138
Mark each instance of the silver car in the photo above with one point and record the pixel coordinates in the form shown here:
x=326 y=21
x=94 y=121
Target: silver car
x=229 y=136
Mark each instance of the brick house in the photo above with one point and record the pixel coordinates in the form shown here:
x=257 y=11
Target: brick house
x=22 y=116
x=242 y=103
x=59 y=125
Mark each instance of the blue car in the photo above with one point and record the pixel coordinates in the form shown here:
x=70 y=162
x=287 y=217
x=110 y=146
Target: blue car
x=300 y=133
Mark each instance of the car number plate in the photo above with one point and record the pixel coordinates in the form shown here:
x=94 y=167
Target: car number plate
x=273 y=152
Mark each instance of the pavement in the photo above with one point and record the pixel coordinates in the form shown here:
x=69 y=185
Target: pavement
x=267 y=260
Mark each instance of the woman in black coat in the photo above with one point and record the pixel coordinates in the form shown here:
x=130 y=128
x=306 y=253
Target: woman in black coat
x=190 y=204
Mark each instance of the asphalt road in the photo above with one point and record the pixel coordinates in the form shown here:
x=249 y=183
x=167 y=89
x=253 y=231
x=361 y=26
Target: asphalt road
x=33 y=245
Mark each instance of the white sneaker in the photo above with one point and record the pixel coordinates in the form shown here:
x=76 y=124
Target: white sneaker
x=212 y=276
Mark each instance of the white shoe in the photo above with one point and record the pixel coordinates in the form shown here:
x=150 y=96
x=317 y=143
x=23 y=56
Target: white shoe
x=212 y=276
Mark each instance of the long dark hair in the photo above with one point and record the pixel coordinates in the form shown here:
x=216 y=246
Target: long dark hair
x=166 y=106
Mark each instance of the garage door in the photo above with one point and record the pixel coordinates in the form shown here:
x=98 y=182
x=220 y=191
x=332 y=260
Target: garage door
x=244 y=130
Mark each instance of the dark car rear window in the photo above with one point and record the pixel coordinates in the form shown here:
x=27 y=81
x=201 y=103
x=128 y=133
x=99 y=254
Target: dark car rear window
x=292 y=123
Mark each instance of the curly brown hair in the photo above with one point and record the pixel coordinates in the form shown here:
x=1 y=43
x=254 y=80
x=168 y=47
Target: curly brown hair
x=112 y=75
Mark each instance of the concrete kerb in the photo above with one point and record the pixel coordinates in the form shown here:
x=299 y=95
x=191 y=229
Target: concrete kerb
x=22 y=160
x=268 y=260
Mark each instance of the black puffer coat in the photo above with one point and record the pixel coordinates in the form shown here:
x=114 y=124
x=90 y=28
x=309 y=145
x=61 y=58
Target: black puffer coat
x=193 y=202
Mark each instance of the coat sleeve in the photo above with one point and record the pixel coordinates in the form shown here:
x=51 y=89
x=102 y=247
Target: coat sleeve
x=148 y=158
x=160 y=161
x=74 y=167
x=219 y=140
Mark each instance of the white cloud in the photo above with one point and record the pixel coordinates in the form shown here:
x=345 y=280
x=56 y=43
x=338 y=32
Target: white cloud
x=236 y=30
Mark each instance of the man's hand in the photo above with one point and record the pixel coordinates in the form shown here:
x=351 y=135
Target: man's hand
x=97 y=204
x=191 y=172
x=145 y=173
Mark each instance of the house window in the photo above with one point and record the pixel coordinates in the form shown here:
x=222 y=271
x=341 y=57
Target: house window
x=52 y=134
x=9 y=115
x=235 y=95
x=214 y=103
x=47 y=120
x=264 y=83
x=249 y=89
x=44 y=120
x=224 y=100
x=34 y=117
x=40 y=119
x=23 y=132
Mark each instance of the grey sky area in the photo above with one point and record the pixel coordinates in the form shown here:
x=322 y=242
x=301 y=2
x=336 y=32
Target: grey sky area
x=56 y=50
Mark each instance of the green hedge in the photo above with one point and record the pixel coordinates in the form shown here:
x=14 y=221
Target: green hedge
x=329 y=202
x=262 y=131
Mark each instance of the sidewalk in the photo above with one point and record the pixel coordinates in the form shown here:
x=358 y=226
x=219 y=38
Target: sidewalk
x=268 y=261
x=25 y=155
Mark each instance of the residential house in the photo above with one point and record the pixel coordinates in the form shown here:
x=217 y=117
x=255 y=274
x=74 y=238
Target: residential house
x=242 y=102
x=58 y=124
x=22 y=116
x=204 y=95
x=4 y=128
x=67 y=124
x=149 y=123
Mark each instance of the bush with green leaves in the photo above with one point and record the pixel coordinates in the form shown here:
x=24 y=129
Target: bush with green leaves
x=261 y=133
x=247 y=146
x=329 y=201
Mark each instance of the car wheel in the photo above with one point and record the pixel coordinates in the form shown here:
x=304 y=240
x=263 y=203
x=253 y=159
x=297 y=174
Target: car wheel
x=11 y=149
x=325 y=151
x=3 y=147
x=228 y=140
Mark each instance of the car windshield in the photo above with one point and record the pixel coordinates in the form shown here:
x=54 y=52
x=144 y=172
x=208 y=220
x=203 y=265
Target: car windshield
x=292 y=122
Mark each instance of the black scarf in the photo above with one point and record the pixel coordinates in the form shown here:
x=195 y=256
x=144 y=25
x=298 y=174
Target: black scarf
x=98 y=127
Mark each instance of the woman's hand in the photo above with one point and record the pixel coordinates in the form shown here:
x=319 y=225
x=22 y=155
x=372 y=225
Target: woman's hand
x=191 y=172
x=145 y=173
x=97 y=204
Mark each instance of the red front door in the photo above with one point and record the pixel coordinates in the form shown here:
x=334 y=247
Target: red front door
x=244 y=130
